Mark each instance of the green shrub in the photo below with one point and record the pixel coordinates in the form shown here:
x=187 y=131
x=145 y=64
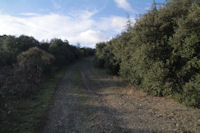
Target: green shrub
x=63 y=52
x=24 y=78
x=161 y=53
x=24 y=65
x=191 y=92
x=34 y=63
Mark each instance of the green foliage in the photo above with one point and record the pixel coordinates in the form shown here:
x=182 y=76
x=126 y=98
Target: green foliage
x=24 y=115
x=106 y=58
x=65 y=53
x=191 y=92
x=87 y=52
x=24 y=65
x=24 y=78
x=100 y=60
x=61 y=52
x=34 y=62
x=161 y=52
x=5 y=58
x=11 y=46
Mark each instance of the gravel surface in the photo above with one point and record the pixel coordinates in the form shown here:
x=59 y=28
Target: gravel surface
x=88 y=100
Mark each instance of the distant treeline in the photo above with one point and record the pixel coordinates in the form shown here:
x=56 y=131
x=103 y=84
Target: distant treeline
x=26 y=62
x=160 y=53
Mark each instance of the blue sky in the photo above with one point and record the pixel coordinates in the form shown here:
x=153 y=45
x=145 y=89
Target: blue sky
x=78 y=21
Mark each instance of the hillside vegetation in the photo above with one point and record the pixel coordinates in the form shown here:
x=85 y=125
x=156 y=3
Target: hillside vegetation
x=26 y=67
x=160 y=53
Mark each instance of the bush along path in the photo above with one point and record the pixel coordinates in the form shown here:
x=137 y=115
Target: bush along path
x=160 y=53
x=25 y=65
x=88 y=100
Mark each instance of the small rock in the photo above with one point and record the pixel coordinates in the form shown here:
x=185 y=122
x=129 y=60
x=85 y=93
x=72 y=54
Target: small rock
x=177 y=125
x=159 y=115
x=198 y=122
x=9 y=112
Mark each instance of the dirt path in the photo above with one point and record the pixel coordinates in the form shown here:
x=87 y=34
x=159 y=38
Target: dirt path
x=90 y=101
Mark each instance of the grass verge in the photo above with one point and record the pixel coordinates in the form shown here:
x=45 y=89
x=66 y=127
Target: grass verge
x=30 y=111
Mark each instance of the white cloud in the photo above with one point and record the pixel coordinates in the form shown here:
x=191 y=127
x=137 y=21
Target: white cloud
x=29 y=14
x=114 y=23
x=91 y=36
x=124 y=5
x=81 y=29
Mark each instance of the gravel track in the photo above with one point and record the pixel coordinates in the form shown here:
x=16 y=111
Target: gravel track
x=88 y=100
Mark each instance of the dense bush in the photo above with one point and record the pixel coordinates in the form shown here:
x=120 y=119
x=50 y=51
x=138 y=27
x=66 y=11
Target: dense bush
x=34 y=63
x=25 y=63
x=106 y=58
x=161 y=52
x=5 y=58
x=65 y=53
x=61 y=52
x=25 y=78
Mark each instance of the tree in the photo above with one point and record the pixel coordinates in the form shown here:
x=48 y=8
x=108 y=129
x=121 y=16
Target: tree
x=161 y=54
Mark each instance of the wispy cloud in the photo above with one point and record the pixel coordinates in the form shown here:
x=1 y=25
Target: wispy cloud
x=124 y=4
x=56 y=4
x=81 y=28
x=29 y=14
